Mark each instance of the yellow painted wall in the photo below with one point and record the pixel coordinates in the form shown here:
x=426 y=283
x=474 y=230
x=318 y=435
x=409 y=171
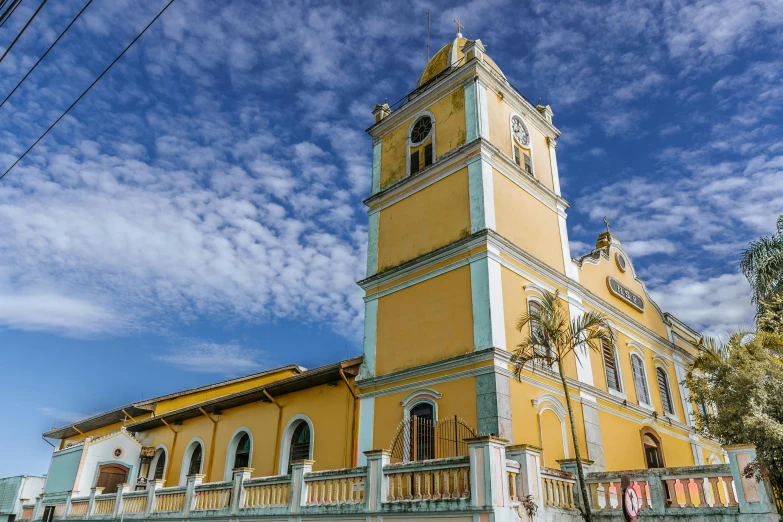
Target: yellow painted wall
x=426 y=322
x=427 y=220
x=526 y=426
x=459 y=398
x=515 y=302
x=330 y=408
x=449 y=113
x=593 y=277
x=500 y=136
x=552 y=435
x=526 y=222
x=201 y=395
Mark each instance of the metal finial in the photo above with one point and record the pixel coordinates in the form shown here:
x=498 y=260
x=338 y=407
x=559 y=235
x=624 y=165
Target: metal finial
x=606 y=222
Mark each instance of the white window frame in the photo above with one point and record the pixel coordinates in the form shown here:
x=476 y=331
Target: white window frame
x=413 y=400
x=285 y=444
x=231 y=453
x=648 y=405
x=154 y=462
x=183 y=474
x=673 y=404
x=410 y=144
x=529 y=147
x=549 y=402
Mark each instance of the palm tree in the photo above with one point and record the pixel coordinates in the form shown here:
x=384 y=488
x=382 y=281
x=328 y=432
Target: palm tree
x=553 y=337
x=762 y=264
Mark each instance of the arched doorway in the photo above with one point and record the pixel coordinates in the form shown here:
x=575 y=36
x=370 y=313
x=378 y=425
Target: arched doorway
x=110 y=476
x=653 y=451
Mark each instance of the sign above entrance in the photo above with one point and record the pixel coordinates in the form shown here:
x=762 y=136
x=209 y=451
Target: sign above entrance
x=623 y=293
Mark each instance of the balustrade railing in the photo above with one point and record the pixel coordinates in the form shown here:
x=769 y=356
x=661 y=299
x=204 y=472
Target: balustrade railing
x=134 y=504
x=663 y=488
x=268 y=494
x=211 y=498
x=557 y=488
x=105 y=506
x=170 y=500
x=327 y=489
x=79 y=507
x=430 y=480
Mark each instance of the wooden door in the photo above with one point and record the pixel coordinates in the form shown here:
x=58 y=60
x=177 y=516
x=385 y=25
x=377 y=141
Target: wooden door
x=110 y=476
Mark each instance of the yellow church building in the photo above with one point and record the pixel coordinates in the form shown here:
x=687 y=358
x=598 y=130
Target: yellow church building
x=467 y=231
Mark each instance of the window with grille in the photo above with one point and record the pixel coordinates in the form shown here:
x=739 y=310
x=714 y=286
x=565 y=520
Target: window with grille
x=610 y=364
x=422 y=427
x=663 y=386
x=300 y=444
x=195 y=460
x=639 y=380
x=160 y=465
x=242 y=458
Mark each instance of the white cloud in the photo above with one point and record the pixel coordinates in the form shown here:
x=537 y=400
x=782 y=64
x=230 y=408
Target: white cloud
x=713 y=305
x=645 y=248
x=226 y=359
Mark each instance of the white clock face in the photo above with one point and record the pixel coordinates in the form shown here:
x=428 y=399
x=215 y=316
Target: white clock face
x=520 y=131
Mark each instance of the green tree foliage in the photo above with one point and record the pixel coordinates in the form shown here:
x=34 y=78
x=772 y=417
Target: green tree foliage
x=554 y=336
x=762 y=264
x=738 y=388
x=770 y=319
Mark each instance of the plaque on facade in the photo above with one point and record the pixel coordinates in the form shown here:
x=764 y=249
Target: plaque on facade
x=623 y=293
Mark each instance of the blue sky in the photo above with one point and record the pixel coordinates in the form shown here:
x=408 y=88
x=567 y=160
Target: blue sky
x=198 y=215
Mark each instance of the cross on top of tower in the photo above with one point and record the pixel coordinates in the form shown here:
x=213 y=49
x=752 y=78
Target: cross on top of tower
x=606 y=222
x=459 y=27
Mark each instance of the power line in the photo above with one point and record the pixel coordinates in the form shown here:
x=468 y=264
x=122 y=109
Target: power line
x=44 y=54
x=22 y=31
x=88 y=88
x=8 y=12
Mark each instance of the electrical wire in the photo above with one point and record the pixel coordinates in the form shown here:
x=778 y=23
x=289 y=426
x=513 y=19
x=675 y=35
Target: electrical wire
x=44 y=54
x=8 y=49
x=88 y=88
x=8 y=12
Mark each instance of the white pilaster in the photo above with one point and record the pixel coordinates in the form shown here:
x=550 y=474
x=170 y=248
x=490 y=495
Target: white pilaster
x=487 y=297
x=366 y=423
x=482 y=196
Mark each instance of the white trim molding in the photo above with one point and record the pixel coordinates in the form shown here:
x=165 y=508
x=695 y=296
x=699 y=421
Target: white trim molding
x=285 y=444
x=549 y=402
x=183 y=473
x=231 y=452
x=418 y=393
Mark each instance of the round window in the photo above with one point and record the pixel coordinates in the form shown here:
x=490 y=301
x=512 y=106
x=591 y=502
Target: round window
x=520 y=131
x=421 y=129
x=117 y=453
x=622 y=264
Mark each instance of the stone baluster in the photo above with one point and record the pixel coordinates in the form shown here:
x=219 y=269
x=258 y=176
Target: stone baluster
x=299 y=488
x=239 y=492
x=152 y=490
x=190 y=493
x=124 y=488
x=94 y=492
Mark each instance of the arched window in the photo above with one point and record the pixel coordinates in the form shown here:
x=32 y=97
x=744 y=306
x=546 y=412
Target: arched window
x=666 y=393
x=157 y=467
x=640 y=380
x=421 y=143
x=242 y=457
x=610 y=365
x=422 y=431
x=300 y=444
x=194 y=467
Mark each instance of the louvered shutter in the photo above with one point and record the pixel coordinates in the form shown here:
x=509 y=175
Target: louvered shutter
x=428 y=155
x=663 y=385
x=612 y=378
x=414 y=162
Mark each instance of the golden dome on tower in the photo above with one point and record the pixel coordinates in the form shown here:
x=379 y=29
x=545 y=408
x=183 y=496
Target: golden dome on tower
x=452 y=56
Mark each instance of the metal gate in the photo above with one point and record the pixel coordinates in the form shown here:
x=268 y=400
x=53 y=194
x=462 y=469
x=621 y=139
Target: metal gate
x=419 y=438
